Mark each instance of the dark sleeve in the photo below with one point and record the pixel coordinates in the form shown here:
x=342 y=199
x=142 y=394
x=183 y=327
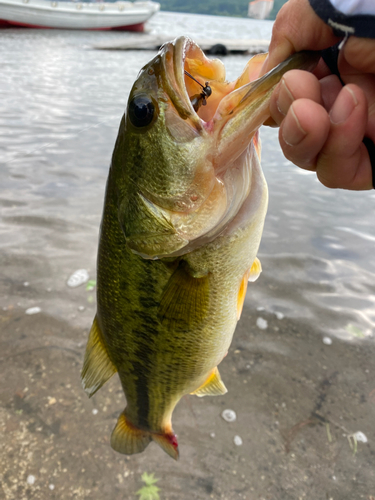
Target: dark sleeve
x=361 y=25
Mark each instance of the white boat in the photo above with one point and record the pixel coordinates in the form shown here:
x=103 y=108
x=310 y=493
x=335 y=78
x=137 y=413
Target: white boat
x=260 y=9
x=129 y=16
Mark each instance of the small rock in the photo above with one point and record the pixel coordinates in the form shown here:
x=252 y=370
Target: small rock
x=229 y=415
x=262 y=324
x=26 y=283
x=279 y=315
x=33 y=310
x=95 y=411
x=81 y=308
x=51 y=401
x=327 y=340
x=359 y=436
x=30 y=479
x=238 y=440
x=260 y=308
x=51 y=486
x=212 y=434
x=78 y=278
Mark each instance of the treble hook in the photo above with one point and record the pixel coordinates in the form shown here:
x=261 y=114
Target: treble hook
x=198 y=99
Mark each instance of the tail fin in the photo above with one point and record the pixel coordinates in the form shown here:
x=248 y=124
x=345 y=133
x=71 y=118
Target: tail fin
x=128 y=439
x=168 y=443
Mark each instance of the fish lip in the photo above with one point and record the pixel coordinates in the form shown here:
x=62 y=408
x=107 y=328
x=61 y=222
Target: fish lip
x=174 y=55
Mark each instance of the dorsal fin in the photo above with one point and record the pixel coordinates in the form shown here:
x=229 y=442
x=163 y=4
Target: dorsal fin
x=97 y=367
x=213 y=386
x=184 y=302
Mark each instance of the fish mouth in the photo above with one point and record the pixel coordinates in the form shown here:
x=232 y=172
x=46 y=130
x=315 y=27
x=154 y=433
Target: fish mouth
x=228 y=121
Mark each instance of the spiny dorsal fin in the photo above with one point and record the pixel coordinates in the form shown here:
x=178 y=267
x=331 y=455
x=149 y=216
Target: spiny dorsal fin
x=128 y=439
x=97 y=367
x=213 y=386
x=251 y=275
x=185 y=299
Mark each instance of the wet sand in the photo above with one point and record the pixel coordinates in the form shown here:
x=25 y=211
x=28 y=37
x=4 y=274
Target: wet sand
x=297 y=401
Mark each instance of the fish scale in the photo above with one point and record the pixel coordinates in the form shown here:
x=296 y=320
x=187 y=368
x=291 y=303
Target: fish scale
x=183 y=217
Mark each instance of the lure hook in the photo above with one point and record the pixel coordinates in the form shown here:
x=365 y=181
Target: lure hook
x=198 y=99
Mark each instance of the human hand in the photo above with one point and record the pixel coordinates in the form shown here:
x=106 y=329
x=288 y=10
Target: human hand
x=322 y=123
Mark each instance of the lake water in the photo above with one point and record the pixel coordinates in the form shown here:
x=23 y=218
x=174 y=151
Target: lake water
x=60 y=107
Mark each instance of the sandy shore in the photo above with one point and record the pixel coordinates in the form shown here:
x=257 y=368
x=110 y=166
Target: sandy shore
x=296 y=398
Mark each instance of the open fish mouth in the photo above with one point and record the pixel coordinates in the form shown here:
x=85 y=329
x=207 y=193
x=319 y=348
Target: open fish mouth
x=226 y=119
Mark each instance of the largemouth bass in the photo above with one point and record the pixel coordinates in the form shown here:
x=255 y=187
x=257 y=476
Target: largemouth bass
x=183 y=217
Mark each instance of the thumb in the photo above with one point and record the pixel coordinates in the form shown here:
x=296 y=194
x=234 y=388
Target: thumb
x=296 y=28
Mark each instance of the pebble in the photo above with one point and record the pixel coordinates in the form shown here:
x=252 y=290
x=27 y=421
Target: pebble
x=212 y=434
x=262 y=324
x=51 y=486
x=33 y=310
x=238 y=440
x=359 y=436
x=81 y=308
x=260 y=308
x=229 y=415
x=327 y=340
x=78 y=278
x=30 y=479
x=95 y=411
x=279 y=315
x=26 y=283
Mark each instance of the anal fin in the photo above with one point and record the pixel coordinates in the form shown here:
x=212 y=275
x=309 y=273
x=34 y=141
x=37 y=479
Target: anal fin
x=251 y=275
x=213 y=386
x=97 y=367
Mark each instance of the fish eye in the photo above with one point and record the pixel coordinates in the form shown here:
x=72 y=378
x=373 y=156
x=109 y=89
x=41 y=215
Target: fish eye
x=141 y=110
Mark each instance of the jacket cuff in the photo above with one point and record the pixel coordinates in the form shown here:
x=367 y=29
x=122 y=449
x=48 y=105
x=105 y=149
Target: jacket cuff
x=360 y=25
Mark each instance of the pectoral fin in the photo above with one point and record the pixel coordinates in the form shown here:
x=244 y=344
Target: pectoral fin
x=184 y=303
x=251 y=275
x=97 y=367
x=255 y=270
x=213 y=386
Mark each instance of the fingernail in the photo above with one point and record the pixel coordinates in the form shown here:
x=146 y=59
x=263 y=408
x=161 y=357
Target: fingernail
x=343 y=106
x=285 y=98
x=291 y=131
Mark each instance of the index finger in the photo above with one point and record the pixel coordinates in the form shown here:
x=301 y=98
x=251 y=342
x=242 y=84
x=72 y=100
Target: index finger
x=297 y=28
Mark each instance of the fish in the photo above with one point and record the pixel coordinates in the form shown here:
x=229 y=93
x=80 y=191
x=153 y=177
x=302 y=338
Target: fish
x=183 y=217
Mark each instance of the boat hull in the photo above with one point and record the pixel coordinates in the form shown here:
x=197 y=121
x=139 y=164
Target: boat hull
x=80 y=16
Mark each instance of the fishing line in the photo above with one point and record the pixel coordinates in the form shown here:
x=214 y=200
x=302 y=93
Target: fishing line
x=201 y=98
